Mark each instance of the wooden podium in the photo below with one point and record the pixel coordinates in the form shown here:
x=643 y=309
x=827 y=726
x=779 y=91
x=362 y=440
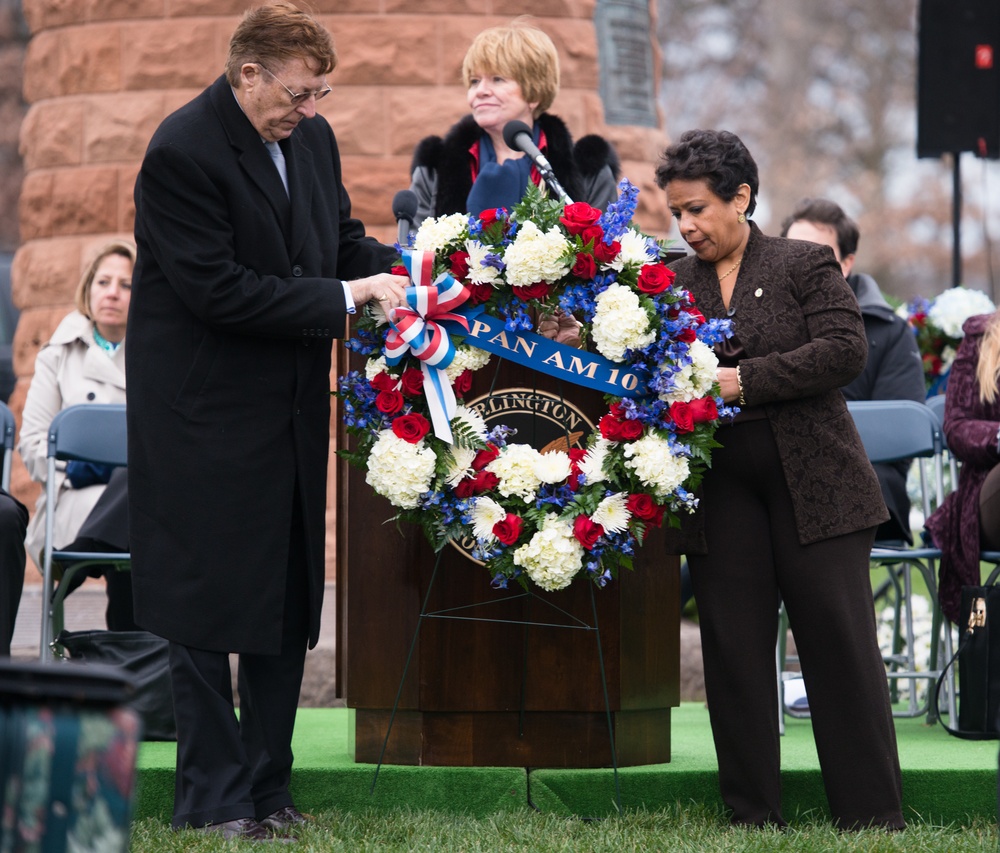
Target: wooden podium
x=508 y=679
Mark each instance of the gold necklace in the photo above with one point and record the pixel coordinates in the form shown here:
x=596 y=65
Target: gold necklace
x=730 y=270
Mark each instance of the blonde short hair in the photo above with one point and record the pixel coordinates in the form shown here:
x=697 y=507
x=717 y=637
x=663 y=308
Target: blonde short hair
x=125 y=248
x=520 y=52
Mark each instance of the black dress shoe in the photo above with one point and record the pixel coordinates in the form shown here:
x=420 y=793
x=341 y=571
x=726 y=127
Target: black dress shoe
x=246 y=828
x=284 y=819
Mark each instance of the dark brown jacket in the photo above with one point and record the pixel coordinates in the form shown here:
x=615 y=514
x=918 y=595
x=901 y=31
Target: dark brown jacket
x=801 y=328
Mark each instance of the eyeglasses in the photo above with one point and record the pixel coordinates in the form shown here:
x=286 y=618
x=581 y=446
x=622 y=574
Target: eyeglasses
x=301 y=97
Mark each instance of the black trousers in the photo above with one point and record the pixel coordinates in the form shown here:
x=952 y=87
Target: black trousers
x=755 y=561
x=13 y=525
x=231 y=767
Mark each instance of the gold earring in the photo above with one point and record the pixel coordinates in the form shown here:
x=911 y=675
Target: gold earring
x=741 y=218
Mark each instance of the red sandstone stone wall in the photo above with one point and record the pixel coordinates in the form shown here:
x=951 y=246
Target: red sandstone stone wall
x=100 y=75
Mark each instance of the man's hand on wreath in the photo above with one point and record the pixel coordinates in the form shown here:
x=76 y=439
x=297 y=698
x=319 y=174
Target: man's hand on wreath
x=387 y=289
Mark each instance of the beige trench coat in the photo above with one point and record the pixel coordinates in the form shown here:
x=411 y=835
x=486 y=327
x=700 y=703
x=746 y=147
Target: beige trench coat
x=70 y=369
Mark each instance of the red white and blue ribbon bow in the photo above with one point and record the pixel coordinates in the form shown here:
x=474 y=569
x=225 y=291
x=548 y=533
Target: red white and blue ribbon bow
x=420 y=328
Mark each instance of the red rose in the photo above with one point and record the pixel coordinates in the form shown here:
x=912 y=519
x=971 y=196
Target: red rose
x=577 y=216
x=696 y=315
x=585 y=266
x=412 y=381
x=462 y=383
x=615 y=426
x=680 y=414
x=687 y=336
x=411 y=428
x=485 y=456
x=483 y=481
x=508 y=530
x=458 y=262
x=400 y=270
x=480 y=293
x=654 y=278
x=593 y=234
x=538 y=290
x=389 y=402
x=645 y=507
x=604 y=253
x=587 y=532
x=491 y=215
x=384 y=382
x=703 y=410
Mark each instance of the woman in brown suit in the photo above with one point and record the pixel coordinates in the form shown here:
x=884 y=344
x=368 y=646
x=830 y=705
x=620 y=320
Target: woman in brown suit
x=790 y=505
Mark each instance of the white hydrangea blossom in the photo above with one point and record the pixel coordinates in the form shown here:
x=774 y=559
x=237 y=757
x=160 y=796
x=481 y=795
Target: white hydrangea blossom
x=620 y=323
x=399 y=470
x=536 y=256
x=635 y=251
x=952 y=308
x=612 y=513
x=466 y=358
x=486 y=513
x=437 y=232
x=552 y=556
x=655 y=465
x=515 y=467
x=694 y=380
x=592 y=464
x=479 y=274
x=553 y=467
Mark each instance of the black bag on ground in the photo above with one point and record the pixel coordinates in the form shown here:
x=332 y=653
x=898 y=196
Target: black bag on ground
x=144 y=657
x=978 y=657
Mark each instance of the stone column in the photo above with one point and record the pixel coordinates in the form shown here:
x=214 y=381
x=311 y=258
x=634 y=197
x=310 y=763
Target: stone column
x=100 y=76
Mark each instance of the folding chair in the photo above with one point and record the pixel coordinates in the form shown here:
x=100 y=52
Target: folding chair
x=8 y=426
x=90 y=433
x=936 y=405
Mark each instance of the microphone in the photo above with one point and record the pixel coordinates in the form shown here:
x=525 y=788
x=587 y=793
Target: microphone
x=517 y=135
x=404 y=208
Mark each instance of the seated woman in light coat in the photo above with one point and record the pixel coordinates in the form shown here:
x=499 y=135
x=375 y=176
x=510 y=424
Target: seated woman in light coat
x=83 y=362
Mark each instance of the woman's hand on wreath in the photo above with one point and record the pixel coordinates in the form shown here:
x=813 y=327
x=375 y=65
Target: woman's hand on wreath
x=561 y=327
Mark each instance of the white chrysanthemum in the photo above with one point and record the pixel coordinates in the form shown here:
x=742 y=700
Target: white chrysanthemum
x=953 y=307
x=479 y=274
x=536 y=256
x=553 y=467
x=460 y=465
x=399 y=470
x=472 y=419
x=620 y=323
x=515 y=468
x=592 y=464
x=552 y=556
x=435 y=233
x=655 y=465
x=375 y=366
x=486 y=513
x=694 y=380
x=635 y=251
x=612 y=513
x=466 y=358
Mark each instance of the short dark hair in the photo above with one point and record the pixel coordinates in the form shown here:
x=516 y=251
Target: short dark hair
x=716 y=156
x=276 y=33
x=822 y=211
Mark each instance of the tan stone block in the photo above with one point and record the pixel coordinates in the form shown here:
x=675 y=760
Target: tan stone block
x=370 y=51
x=416 y=112
x=436 y=7
x=371 y=183
x=551 y=9
x=124 y=10
x=70 y=201
x=41 y=67
x=126 y=202
x=46 y=272
x=52 y=134
x=118 y=127
x=169 y=54
x=90 y=59
x=576 y=42
x=43 y=14
x=358 y=117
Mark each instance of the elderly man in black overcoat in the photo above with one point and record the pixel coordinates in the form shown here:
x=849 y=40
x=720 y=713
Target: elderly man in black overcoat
x=249 y=263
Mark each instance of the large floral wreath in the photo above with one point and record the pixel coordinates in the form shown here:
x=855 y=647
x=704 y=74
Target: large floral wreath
x=478 y=282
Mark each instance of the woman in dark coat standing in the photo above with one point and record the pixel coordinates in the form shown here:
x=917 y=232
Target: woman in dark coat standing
x=789 y=508
x=511 y=74
x=969 y=518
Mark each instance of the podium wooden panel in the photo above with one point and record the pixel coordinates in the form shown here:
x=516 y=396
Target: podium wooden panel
x=485 y=692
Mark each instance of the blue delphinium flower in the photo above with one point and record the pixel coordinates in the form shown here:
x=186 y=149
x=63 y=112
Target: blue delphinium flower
x=615 y=220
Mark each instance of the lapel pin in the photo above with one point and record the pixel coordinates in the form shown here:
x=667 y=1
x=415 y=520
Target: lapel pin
x=759 y=292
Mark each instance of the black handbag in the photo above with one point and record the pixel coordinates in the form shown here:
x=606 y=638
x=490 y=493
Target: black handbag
x=978 y=657
x=144 y=657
